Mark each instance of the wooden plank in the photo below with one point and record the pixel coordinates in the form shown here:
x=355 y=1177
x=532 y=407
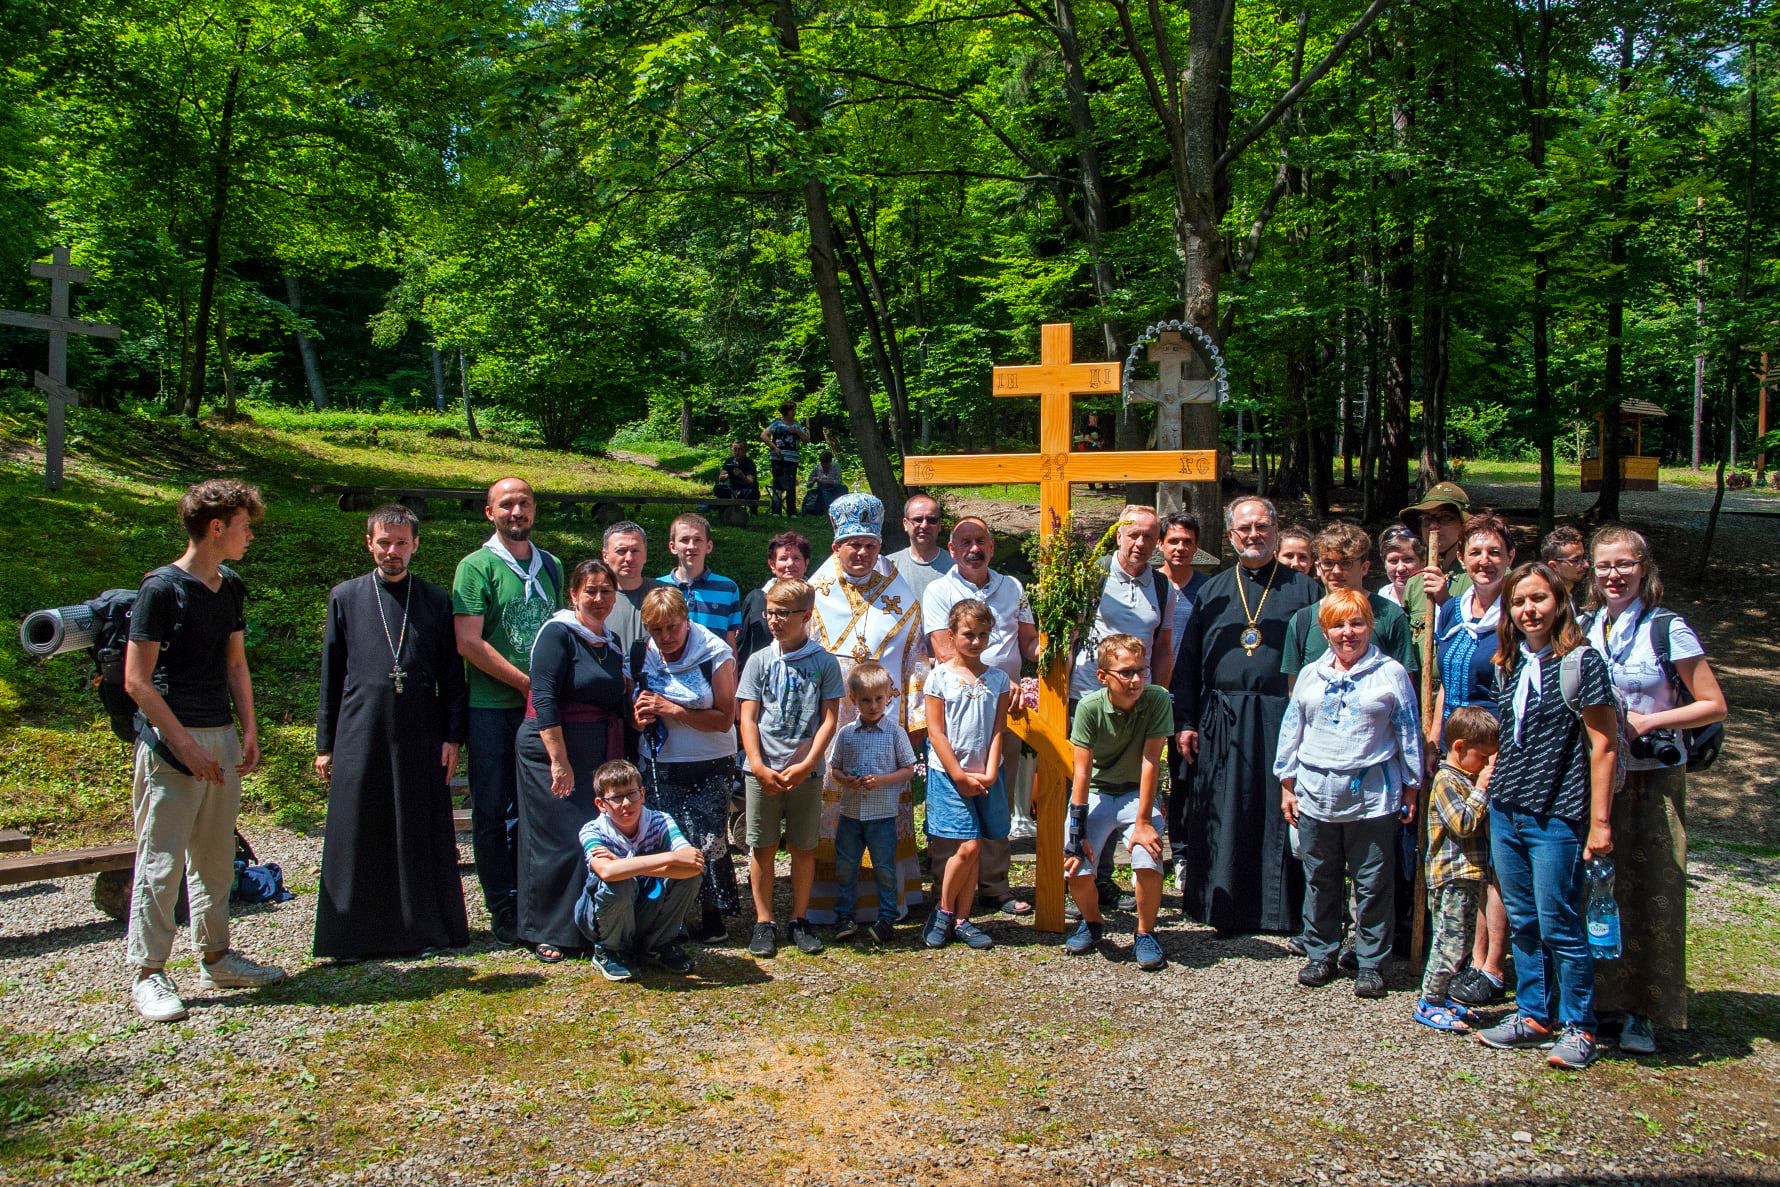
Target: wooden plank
x=65 y=325
x=66 y=864
x=460 y=820
x=478 y=494
x=13 y=841
x=1082 y=379
x=55 y=390
x=67 y=272
x=977 y=469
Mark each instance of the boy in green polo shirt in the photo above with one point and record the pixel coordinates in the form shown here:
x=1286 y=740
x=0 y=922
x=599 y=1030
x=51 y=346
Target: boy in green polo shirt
x=1343 y=553
x=1117 y=738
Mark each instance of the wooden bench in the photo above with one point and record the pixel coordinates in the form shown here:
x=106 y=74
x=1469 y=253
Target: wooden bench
x=607 y=508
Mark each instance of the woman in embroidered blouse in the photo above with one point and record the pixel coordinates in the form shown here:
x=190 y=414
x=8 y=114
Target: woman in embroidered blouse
x=1550 y=798
x=1348 y=764
x=1627 y=624
x=685 y=707
x=574 y=721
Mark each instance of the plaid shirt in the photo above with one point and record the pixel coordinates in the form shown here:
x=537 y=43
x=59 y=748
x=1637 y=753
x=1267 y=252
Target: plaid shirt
x=1457 y=836
x=874 y=748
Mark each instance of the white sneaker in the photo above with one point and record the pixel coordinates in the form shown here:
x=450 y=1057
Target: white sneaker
x=157 y=999
x=234 y=971
x=1023 y=828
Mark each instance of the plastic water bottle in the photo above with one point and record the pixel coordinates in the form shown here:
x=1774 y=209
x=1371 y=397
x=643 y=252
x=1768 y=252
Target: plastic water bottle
x=1601 y=911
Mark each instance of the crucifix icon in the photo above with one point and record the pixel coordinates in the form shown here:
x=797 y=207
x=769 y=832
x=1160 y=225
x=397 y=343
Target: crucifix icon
x=1169 y=392
x=397 y=675
x=60 y=273
x=1055 y=381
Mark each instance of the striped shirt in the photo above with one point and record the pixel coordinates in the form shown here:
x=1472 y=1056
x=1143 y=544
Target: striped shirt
x=712 y=600
x=1458 y=833
x=656 y=833
x=872 y=748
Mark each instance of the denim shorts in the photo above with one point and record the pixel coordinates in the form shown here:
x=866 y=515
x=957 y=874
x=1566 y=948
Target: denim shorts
x=965 y=818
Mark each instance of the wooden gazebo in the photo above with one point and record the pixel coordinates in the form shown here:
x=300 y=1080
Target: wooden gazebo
x=1636 y=472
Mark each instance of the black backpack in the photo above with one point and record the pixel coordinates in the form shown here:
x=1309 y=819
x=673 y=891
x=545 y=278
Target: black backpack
x=111 y=613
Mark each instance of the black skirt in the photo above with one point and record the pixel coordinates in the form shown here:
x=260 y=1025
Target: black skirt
x=552 y=871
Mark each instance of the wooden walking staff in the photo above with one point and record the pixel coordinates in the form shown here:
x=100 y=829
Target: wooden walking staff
x=1055 y=380
x=1418 y=932
x=60 y=273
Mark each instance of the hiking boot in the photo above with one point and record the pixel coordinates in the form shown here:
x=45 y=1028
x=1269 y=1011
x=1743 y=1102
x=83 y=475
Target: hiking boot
x=505 y=928
x=883 y=931
x=1574 y=1050
x=156 y=998
x=1636 y=1037
x=232 y=970
x=845 y=930
x=610 y=967
x=1348 y=961
x=1295 y=945
x=764 y=941
x=1368 y=983
x=1516 y=1032
x=1316 y=973
x=973 y=935
x=805 y=937
x=1082 y=939
x=938 y=932
x=1148 y=951
x=673 y=958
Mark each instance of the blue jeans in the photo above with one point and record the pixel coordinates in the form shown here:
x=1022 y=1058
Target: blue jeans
x=494 y=805
x=1538 y=862
x=851 y=838
x=637 y=915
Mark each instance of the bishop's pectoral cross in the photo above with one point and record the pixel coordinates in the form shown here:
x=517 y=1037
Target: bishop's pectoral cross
x=1054 y=381
x=60 y=273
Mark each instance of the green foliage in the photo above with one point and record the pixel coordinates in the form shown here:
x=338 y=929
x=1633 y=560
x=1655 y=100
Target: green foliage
x=1065 y=589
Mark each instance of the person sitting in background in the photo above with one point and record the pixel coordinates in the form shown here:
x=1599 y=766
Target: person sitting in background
x=739 y=478
x=825 y=485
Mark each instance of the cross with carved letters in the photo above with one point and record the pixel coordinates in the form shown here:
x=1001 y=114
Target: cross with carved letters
x=60 y=273
x=1055 y=381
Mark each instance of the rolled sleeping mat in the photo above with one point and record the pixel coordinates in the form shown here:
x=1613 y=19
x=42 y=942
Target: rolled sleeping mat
x=51 y=632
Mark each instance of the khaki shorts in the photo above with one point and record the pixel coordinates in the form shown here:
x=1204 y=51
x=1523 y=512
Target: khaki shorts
x=798 y=813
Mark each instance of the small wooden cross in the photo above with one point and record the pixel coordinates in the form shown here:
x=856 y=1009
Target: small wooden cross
x=1055 y=380
x=60 y=273
x=1168 y=391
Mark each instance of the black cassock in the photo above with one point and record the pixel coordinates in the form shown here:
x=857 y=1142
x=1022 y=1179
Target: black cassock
x=1239 y=872
x=389 y=880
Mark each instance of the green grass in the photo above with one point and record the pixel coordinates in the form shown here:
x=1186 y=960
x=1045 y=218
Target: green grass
x=63 y=775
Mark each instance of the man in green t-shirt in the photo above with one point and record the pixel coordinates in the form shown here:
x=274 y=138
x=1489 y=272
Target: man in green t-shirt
x=502 y=594
x=1443 y=511
x=1117 y=738
x=1343 y=555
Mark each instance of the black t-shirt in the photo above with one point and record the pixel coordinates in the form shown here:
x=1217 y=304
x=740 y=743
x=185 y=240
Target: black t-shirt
x=192 y=671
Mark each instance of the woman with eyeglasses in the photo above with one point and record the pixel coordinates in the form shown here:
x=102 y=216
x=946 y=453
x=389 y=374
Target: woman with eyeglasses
x=574 y=721
x=1465 y=641
x=1658 y=666
x=1349 y=763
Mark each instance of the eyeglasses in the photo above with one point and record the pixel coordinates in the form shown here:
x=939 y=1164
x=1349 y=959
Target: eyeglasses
x=1570 y=562
x=1126 y=674
x=922 y=518
x=620 y=798
x=769 y=612
x=1616 y=568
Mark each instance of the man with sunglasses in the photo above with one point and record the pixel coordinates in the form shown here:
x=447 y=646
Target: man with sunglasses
x=923 y=562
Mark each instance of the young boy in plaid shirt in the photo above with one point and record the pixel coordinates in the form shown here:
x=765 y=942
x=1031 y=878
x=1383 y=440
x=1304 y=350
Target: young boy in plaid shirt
x=1458 y=841
x=873 y=761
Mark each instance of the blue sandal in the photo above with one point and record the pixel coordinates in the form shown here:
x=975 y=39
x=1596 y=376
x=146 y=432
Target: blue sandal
x=1440 y=1017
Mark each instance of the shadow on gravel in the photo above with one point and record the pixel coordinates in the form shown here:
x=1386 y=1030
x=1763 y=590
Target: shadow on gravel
x=711 y=970
x=74 y=935
x=1725 y=1025
x=1648 y=1177
x=373 y=983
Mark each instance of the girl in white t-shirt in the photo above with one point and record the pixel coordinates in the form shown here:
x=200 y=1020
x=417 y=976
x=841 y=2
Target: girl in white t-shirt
x=1626 y=623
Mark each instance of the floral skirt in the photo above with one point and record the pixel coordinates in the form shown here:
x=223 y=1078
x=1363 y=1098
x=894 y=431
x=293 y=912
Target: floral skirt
x=696 y=795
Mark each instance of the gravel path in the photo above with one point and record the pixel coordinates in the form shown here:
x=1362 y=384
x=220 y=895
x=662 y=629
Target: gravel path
x=485 y=1066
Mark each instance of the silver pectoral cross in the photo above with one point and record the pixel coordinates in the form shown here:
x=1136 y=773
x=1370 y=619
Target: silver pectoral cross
x=398 y=675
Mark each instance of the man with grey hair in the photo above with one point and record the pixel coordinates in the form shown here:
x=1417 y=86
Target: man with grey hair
x=625 y=549
x=1229 y=697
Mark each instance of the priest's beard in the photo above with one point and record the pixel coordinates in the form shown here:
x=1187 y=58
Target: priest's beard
x=392 y=571
x=1254 y=557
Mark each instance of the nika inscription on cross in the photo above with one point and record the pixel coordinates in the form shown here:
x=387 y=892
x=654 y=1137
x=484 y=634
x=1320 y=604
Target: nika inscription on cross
x=54 y=384
x=1168 y=392
x=1055 y=380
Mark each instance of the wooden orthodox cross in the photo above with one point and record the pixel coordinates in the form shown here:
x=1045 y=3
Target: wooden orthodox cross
x=1169 y=392
x=54 y=385
x=1054 y=381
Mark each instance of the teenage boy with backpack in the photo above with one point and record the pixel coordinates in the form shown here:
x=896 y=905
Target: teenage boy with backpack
x=186 y=669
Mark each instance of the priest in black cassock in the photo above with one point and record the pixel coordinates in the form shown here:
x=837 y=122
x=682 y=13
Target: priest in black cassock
x=394 y=711
x=1229 y=696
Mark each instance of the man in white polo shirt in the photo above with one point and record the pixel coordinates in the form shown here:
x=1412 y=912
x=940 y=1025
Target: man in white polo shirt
x=1014 y=637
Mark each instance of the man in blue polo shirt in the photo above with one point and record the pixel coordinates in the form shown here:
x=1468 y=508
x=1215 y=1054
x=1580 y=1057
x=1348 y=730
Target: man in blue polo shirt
x=712 y=600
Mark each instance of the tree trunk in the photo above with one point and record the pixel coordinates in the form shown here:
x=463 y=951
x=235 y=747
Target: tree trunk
x=1613 y=366
x=226 y=366
x=824 y=272
x=438 y=380
x=1536 y=91
x=463 y=377
x=898 y=388
x=221 y=177
x=878 y=333
x=1395 y=429
x=318 y=391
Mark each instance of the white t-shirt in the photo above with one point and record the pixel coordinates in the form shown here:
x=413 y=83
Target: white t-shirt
x=970 y=712
x=1127 y=607
x=1634 y=669
x=1006 y=599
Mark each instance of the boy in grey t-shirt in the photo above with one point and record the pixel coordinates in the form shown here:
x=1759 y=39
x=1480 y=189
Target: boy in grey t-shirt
x=789 y=696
